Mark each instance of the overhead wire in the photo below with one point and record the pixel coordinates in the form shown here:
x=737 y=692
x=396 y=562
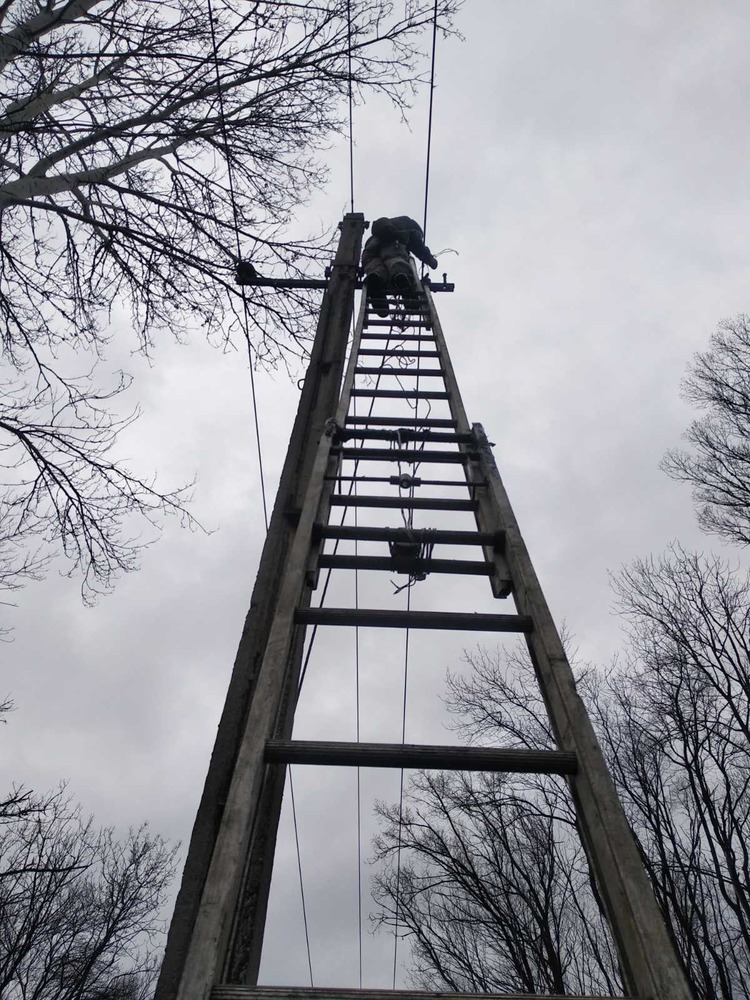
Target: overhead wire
x=303 y=673
x=429 y=122
x=357 y=727
x=301 y=881
x=351 y=99
x=410 y=525
x=416 y=407
x=236 y=218
x=408 y=589
x=401 y=793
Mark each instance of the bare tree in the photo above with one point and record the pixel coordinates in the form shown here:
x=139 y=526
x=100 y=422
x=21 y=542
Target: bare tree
x=79 y=910
x=718 y=464
x=145 y=145
x=62 y=487
x=676 y=726
x=18 y=801
x=485 y=872
x=122 y=120
x=493 y=887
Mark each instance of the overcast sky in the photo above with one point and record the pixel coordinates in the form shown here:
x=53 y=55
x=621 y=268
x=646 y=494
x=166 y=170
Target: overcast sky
x=590 y=168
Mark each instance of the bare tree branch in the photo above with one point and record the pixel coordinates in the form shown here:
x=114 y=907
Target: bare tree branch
x=80 y=909
x=718 y=464
x=493 y=888
x=59 y=484
x=138 y=162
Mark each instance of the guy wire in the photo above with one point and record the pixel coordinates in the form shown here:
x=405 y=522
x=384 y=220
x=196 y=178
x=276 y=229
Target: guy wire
x=429 y=119
x=351 y=99
x=235 y=215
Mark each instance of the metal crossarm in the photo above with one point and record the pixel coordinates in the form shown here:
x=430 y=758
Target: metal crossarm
x=215 y=941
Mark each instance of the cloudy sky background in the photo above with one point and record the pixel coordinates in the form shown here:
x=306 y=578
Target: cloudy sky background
x=590 y=167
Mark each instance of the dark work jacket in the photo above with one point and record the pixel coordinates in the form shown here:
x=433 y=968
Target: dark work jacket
x=400 y=229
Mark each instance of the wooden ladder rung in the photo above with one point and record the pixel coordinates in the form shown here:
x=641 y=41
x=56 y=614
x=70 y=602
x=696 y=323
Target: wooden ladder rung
x=444 y=621
x=378 y=352
x=413 y=434
x=398 y=335
x=421 y=455
x=400 y=422
x=400 y=372
x=399 y=394
x=421 y=324
x=237 y=992
x=402 y=503
x=396 y=481
x=441 y=536
x=439 y=758
x=458 y=567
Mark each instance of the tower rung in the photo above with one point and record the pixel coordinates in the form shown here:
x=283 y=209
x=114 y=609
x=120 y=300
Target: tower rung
x=377 y=352
x=398 y=336
x=437 y=758
x=238 y=992
x=441 y=620
x=394 y=481
x=405 y=503
x=403 y=455
x=461 y=567
x=397 y=315
x=447 y=437
x=365 y=533
x=416 y=304
x=401 y=421
x=401 y=372
x=399 y=394
x=424 y=324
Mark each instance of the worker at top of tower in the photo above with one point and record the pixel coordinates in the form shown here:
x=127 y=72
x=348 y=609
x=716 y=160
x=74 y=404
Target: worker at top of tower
x=386 y=261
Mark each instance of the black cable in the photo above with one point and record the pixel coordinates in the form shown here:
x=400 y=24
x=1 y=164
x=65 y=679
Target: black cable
x=235 y=216
x=410 y=525
x=351 y=99
x=301 y=883
x=401 y=792
x=357 y=728
x=429 y=120
x=352 y=491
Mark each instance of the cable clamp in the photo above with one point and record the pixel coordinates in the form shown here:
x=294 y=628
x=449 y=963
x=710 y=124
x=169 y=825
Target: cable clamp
x=405 y=481
x=331 y=428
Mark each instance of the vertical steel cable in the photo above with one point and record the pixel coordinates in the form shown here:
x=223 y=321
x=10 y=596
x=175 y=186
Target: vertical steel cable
x=351 y=100
x=357 y=728
x=301 y=883
x=401 y=792
x=429 y=119
x=235 y=215
x=406 y=679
